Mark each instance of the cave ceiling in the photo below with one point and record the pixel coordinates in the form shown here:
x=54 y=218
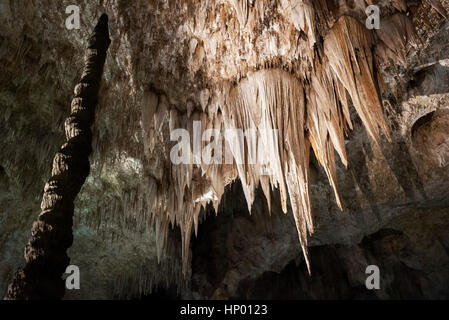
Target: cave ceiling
x=361 y=114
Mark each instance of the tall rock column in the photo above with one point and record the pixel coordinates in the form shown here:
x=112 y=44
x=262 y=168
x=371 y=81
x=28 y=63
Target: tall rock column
x=51 y=235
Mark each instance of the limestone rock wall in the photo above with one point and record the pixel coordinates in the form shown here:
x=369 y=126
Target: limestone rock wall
x=172 y=62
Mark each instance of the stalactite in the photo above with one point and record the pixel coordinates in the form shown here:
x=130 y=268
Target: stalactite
x=436 y=4
x=241 y=8
x=396 y=35
x=307 y=101
x=348 y=50
x=45 y=254
x=275 y=99
x=292 y=65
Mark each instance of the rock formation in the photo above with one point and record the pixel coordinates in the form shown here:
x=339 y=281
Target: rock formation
x=360 y=145
x=51 y=235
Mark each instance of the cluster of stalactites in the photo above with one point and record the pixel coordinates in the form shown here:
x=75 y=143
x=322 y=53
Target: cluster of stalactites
x=305 y=114
x=316 y=115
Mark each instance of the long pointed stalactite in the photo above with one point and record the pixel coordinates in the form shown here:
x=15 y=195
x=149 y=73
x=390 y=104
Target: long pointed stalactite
x=306 y=114
x=332 y=88
x=46 y=252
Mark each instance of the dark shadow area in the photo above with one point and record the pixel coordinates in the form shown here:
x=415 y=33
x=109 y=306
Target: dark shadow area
x=338 y=271
x=401 y=164
x=213 y=232
x=161 y=293
x=430 y=137
x=3 y=177
x=328 y=281
x=387 y=248
x=332 y=279
x=358 y=152
x=433 y=79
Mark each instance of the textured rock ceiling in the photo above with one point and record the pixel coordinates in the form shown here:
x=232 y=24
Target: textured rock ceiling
x=308 y=68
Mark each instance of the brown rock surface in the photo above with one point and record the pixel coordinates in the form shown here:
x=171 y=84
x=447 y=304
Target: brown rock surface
x=174 y=61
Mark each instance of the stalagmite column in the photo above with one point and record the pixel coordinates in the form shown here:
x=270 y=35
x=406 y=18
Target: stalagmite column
x=51 y=235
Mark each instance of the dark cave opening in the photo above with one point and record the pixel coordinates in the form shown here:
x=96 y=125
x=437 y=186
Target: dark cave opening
x=171 y=65
x=2 y=172
x=335 y=272
x=4 y=181
x=430 y=136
